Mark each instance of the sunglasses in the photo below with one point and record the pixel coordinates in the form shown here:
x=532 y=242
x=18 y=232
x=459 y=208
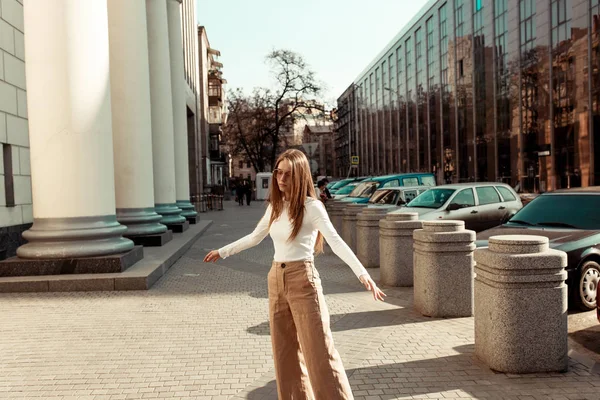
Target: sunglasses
x=277 y=173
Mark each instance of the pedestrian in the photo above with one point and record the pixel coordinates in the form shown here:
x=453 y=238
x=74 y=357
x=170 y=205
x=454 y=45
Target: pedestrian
x=248 y=192
x=326 y=182
x=307 y=365
x=322 y=195
x=239 y=193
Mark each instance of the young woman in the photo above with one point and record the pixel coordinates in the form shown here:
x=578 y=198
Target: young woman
x=307 y=365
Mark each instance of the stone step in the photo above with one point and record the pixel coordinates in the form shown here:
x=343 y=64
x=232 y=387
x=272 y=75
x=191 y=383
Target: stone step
x=141 y=276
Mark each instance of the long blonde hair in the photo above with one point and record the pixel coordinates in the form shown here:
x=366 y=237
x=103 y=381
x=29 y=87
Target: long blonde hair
x=302 y=187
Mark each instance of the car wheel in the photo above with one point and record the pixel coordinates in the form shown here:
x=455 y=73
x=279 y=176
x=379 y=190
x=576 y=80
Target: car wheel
x=586 y=295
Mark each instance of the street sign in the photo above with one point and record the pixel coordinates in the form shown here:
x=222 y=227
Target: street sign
x=354 y=160
x=543 y=153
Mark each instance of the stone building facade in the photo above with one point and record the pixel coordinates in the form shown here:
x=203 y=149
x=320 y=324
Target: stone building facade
x=95 y=117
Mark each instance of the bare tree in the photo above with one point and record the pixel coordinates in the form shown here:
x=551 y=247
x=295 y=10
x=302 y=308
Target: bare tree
x=257 y=122
x=244 y=132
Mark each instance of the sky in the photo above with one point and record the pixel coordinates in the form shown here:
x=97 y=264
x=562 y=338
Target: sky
x=337 y=38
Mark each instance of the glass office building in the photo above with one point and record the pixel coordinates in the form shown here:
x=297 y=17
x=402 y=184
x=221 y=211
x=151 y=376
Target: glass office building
x=485 y=90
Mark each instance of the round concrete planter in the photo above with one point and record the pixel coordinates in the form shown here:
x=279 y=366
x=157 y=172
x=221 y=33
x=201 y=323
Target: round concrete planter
x=521 y=305
x=396 y=248
x=349 y=224
x=443 y=269
x=367 y=236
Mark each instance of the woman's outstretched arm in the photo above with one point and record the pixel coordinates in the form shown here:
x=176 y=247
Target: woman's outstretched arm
x=321 y=221
x=251 y=240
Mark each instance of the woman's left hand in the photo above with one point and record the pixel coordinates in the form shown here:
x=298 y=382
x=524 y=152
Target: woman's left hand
x=370 y=285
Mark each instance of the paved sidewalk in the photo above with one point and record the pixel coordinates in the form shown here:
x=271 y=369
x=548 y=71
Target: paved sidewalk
x=202 y=333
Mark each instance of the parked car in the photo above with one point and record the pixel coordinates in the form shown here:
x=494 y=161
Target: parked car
x=367 y=187
x=570 y=220
x=345 y=191
x=395 y=196
x=481 y=205
x=342 y=183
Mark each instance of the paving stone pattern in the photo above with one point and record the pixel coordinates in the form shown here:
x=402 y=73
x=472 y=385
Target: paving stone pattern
x=202 y=333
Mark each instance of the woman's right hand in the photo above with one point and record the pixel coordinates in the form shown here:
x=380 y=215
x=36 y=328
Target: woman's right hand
x=213 y=256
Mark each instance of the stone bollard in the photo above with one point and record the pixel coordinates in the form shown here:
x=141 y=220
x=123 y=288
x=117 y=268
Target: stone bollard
x=443 y=269
x=336 y=213
x=349 y=224
x=396 y=248
x=521 y=305
x=367 y=236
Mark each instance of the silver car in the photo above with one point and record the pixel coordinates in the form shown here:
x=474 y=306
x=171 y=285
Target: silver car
x=482 y=205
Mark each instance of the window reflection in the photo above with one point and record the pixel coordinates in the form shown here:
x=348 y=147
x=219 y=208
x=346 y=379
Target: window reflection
x=485 y=91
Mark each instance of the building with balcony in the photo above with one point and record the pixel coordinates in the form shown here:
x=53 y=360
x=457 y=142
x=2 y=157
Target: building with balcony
x=213 y=113
x=485 y=90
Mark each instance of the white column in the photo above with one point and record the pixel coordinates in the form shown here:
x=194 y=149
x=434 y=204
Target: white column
x=70 y=133
x=182 y=172
x=163 y=150
x=131 y=117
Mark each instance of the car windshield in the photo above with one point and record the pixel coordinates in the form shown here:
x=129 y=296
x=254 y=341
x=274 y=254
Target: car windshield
x=433 y=198
x=364 y=189
x=346 y=189
x=339 y=184
x=579 y=211
x=385 y=196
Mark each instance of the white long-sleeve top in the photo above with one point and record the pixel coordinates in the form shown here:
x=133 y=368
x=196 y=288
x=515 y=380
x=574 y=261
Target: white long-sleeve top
x=302 y=247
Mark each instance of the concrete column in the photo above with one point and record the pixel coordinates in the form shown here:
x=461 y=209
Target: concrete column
x=349 y=224
x=182 y=172
x=131 y=118
x=70 y=132
x=163 y=149
x=367 y=236
x=396 y=248
x=521 y=312
x=443 y=269
x=336 y=213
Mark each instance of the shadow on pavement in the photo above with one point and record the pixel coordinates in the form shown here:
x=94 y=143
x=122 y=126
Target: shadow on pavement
x=460 y=372
x=589 y=338
x=361 y=320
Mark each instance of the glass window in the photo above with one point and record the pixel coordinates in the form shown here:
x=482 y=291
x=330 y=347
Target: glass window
x=241 y=164
x=428 y=180
x=506 y=194
x=464 y=198
x=347 y=189
x=578 y=210
x=433 y=198
x=410 y=181
x=247 y=164
x=364 y=190
x=487 y=195
x=393 y=182
x=384 y=197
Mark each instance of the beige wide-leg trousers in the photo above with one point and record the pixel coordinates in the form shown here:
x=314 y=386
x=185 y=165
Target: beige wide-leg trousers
x=307 y=365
